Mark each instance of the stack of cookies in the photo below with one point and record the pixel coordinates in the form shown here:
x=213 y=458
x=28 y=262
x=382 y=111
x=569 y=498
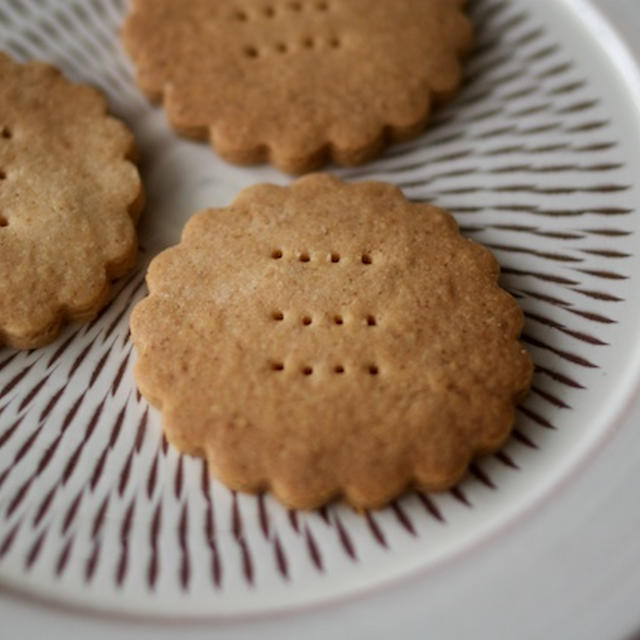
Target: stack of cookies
x=318 y=340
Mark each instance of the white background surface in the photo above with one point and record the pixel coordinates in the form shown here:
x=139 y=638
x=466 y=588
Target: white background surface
x=570 y=568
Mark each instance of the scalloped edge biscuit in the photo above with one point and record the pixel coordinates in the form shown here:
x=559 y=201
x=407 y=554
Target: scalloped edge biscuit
x=266 y=83
x=328 y=339
x=70 y=197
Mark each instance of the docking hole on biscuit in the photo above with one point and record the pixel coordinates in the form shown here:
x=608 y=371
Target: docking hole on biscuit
x=278 y=316
x=294 y=6
x=373 y=370
x=307 y=43
x=276 y=254
x=371 y=321
x=277 y=366
x=306 y=320
x=339 y=369
x=3 y=175
x=3 y=221
x=269 y=12
x=281 y=47
x=304 y=257
x=240 y=16
x=338 y=319
x=322 y=6
x=366 y=258
x=6 y=133
x=334 y=43
x=307 y=371
x=251 y=52
x=335 y=257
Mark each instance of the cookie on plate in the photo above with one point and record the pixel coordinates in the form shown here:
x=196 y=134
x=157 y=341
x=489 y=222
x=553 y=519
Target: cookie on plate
x=329 y=339
x=69 y=198
x=298 y=82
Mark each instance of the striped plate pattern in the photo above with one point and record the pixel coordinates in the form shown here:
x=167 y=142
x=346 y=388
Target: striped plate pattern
x=97 y=510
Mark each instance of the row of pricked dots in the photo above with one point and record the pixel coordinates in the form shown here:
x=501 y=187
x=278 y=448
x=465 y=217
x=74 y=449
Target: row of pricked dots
x=278 y=316
x=338 y=369
x=334 y=257
x=269 y=11
x=282 y=47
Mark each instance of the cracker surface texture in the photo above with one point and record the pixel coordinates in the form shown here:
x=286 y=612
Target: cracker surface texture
x=329 y=339
x=69 y=198
x=298 y=82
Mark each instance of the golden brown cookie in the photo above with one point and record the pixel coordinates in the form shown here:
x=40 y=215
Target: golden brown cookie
x=69 y=197
x=298 y=82
x=326 y=339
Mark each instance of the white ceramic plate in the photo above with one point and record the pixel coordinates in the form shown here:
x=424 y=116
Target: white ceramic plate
x=539 y=159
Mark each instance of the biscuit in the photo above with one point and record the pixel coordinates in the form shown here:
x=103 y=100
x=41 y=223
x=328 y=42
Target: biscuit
x=328 y=339
x=298 y=82
x=69 y=197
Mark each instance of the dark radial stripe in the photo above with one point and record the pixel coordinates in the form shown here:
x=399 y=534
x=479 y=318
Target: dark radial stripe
x=100 y=518
x=117 y=426
x=506 y=460
x=345 y=538
x=280 y=558
x=98 y=368
x=98 y=468
x=8 y=360
x=594 y=317
x=477 y=472
x=44 y=506
x=7 y=541
x=178 y=479
x=72 y=512
x=120 y=373
x=34 y=550
x=50 y=406
x=61 y=349
x=210 y=537
x=403 y=518
x=263 y=516
x=10 y=430
x=92 y=562
x=153 y=569
x=536 y=417
x=312 y=549
x=430 y=506
x=142 y=428
x=63 y=558
x=375 y=530
x=460 y=496
x=152 y=476
x=579 y=335
x=27 y=445
x=237 y=529
x=125 y=308
x=549 y=397
x=558 y=377
x=125 y=529
x=598 y=295
x=79 y=360
x=125 y=473
x=293 y=520
x=15 y=380
x=524 y=439
x=185 y=560
x=31 y=395
x=565 y=355
x=603 y=274
x=18 y=497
